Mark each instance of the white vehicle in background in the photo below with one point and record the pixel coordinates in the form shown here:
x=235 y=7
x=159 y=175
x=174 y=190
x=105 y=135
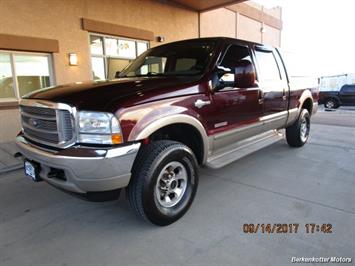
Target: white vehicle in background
x=335 y=83
x=336 y=91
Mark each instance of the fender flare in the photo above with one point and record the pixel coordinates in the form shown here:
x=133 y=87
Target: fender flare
x=170 y=120
x=305 y=95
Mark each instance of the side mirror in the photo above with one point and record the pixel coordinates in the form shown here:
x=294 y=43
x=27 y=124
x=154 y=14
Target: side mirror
x=117 y=75
x=244 y=75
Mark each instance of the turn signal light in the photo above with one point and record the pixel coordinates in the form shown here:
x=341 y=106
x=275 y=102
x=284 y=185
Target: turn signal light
x=116 y=138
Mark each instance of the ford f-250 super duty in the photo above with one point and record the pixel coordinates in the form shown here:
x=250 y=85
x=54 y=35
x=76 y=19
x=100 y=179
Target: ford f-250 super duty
x=197 y=102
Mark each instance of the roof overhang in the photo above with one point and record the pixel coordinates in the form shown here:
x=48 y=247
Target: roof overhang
x=205 y=5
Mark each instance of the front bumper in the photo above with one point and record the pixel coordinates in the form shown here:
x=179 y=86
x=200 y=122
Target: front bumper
x=85 y=169
x=315 y=108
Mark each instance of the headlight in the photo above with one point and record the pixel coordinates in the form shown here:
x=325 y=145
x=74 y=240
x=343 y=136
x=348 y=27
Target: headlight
x=99 y=128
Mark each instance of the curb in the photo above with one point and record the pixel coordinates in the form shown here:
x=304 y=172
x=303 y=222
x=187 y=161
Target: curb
x=10 y=168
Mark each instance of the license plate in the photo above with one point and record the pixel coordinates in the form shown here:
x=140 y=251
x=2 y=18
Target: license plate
x=31 y=171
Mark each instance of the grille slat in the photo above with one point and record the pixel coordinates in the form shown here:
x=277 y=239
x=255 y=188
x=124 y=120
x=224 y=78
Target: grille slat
x=46 y=125
x=36 y=135
x=38 y=111
x=41 y=130
x=53 y=118
x=42 y=124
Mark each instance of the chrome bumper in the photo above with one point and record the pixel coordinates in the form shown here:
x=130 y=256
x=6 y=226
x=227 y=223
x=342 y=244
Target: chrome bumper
x=85 y=169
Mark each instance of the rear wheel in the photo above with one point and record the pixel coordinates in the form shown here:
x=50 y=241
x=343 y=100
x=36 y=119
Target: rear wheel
x=164 y=182
x=298 y=133
x=331 y=103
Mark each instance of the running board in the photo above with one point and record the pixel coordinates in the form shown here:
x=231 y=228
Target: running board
x=243 y=148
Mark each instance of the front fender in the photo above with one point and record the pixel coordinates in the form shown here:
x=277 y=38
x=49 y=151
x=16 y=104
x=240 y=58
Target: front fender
x=145 y=128
x=142 y=121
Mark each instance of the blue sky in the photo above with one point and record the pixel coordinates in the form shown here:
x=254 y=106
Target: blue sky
x=320 y=33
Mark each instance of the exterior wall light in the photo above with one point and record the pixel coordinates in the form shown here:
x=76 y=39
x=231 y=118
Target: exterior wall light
x=262 y=29
x=73 y=59
x=160 y=39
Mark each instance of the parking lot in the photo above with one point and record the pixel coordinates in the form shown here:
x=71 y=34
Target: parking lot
x=40 y=225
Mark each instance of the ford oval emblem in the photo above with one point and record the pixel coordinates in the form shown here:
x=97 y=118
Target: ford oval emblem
x=33 y=122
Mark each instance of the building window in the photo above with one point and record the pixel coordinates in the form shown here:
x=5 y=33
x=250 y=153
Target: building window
x=21 y=73
x=111 y=54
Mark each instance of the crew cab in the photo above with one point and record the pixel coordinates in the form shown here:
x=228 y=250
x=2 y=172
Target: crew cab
x=334 y=99
x=200 y=102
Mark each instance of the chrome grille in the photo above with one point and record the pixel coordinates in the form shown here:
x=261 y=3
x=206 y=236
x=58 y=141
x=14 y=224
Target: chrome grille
x=38 y=111
x=50 y=126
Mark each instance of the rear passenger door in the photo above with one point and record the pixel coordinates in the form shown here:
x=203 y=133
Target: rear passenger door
x=274 y=86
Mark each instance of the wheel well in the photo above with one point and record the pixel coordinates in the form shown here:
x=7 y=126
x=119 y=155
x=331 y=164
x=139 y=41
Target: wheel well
x=183 y=133
x=332 y=98
x=308 y=104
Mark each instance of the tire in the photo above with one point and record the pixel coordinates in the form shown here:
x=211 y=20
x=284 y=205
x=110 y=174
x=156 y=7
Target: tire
x=298 y=133
x=164 y=170
x=331 y=103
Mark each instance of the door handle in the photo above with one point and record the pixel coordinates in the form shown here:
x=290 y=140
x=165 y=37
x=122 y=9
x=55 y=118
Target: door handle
x=200 y=103
x=261 y=97
x=284 y=97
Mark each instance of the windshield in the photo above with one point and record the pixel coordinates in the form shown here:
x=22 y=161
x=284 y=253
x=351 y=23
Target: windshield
x=184 y=58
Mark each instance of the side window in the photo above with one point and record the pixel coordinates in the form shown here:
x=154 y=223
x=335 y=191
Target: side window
x=184 y=64
x=269 y=71
x=344 y=90
x=230 y=61
x=348 y=89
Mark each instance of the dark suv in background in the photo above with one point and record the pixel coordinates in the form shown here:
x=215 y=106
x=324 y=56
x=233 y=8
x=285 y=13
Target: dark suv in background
x=335 y=99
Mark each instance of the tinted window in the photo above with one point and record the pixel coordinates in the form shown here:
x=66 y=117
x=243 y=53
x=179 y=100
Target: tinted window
x=183 y=58
x=267 y=66
x=348 y=89
x=234 y=54
x=230 y=61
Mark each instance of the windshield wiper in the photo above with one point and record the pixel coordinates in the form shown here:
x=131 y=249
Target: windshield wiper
x=149 y=74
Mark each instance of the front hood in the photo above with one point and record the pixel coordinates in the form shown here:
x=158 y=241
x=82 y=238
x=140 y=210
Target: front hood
x=107 y=95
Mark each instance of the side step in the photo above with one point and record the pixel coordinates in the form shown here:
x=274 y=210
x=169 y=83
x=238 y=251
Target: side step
x=243 y=148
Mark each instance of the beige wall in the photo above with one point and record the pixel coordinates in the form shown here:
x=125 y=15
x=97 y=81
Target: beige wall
x=249 y=29
x=213 y=26
x=9 y=124
x=229 y=22
x=271 y=36
x=61 y=20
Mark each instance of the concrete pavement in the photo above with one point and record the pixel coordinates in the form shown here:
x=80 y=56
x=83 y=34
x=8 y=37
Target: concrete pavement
x=40 y=225
x=8 y=161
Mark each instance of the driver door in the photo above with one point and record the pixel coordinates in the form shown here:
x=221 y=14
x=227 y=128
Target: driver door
x=236 y=110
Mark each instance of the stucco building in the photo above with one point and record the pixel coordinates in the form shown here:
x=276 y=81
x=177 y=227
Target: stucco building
x=46 y=43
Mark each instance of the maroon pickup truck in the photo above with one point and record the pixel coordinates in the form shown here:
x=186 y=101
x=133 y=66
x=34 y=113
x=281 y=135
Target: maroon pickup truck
x=178 y=106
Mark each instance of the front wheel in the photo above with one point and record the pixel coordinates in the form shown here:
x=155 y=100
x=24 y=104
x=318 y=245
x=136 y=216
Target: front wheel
x=164 y=182
x=298 y=133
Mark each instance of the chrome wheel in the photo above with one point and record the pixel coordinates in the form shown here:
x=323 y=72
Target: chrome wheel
x=171 y=184
x=304 y=128
x=330 y=104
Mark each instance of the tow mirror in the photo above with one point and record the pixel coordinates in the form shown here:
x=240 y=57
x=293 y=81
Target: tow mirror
x=244 y=74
